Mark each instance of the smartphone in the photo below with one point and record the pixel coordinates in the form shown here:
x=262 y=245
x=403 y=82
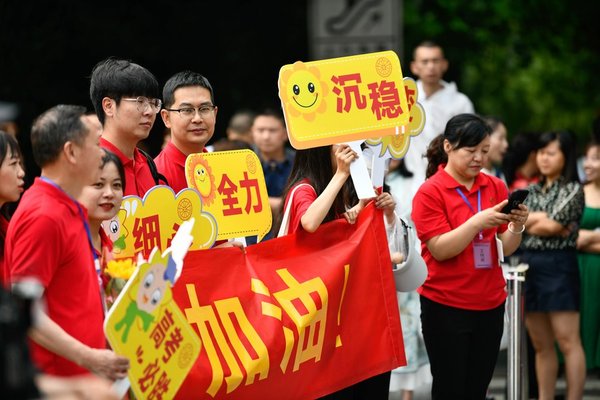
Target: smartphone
x=515 y=198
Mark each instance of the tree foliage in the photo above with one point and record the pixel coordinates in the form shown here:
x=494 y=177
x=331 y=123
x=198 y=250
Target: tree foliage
x=532 y=63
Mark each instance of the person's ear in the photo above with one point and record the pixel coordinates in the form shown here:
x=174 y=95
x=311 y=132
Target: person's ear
x=164 y=114
x=70 y=151
x=447 y=146
x=444 y=65
x=108 y=105
x=414 y=68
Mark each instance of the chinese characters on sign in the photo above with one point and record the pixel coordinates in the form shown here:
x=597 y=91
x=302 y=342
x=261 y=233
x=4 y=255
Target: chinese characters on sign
x=342 y=99
x=233 y=190
x=305 y=305
x=146 y=325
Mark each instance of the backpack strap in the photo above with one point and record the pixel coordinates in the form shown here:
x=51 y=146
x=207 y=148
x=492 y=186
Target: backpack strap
x=285 y=221
x=153 y=170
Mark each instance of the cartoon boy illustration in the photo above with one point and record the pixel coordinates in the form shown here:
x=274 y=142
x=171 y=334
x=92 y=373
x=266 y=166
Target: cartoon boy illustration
x=149 y=291
x=116 y=231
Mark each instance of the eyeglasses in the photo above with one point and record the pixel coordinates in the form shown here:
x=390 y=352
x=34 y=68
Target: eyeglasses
x=189 y=112
x=143 y=103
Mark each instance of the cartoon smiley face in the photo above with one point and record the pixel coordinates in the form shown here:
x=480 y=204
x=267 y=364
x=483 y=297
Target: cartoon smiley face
x=200 y=177
x=202 y=180
x=303 y=91
x=152 y=288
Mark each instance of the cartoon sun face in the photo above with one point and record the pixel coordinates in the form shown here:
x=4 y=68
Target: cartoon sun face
x=152 y=288
x=200 y=177
x=302 y=91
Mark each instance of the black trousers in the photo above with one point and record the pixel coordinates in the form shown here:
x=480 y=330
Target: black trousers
x=462 y=346
x=373 y=388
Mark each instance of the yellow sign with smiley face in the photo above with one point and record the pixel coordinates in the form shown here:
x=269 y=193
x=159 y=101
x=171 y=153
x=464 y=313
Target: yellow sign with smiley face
x=233 y=190
x=342 y=99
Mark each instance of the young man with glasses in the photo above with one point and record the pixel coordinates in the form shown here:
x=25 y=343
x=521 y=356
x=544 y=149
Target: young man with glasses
x=125 y=97
x=190 y=113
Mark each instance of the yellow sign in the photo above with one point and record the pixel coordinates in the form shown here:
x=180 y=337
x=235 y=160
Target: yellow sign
x=342 y=99
x=146 y=326
x=396 y=140
x=233 y=190
x=152 y=222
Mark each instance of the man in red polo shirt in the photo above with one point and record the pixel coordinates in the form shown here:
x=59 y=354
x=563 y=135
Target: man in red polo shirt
x=48 y=240
x=125 y=97
x=190 y=113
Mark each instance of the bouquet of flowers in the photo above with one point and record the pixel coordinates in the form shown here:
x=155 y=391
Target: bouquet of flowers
x=118 y=272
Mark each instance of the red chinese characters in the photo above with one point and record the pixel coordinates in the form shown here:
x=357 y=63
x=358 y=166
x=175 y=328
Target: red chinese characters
x=384 y=96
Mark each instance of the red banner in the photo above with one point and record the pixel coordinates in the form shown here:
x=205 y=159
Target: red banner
x=296 y=317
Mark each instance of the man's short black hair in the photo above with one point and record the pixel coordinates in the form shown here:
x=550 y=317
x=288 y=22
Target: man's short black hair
x=184 y=79
x=116 y=78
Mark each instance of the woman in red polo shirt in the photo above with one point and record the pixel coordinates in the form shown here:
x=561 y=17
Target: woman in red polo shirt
x=11 y=184
x=457 y=216
x=103 y=201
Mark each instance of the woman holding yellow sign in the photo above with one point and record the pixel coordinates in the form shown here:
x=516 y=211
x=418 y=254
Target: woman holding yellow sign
x=318 y=191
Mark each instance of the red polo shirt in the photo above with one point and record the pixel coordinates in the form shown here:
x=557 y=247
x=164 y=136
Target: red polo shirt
x=46 y=239
x=138 y=178
x=437 y=209
x=3 y=229
x=171 y=163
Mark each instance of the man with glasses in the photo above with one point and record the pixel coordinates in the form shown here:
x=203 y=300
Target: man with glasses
x=125 y=97
x=190 y=113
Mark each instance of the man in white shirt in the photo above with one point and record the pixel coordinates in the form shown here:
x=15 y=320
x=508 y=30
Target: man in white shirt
x=441 y=101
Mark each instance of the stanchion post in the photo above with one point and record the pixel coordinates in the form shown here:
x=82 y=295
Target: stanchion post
x=516 y=380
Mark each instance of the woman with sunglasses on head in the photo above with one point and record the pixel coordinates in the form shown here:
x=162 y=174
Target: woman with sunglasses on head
x=463 y=233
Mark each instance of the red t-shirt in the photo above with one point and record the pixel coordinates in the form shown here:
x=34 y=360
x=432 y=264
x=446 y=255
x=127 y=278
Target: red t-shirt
x=106 y=246
x=46 y=239
x=304 y=196
x=3 y=229
x=521 y=182
x=171 y=163
x=138 y=177
x=437 y=209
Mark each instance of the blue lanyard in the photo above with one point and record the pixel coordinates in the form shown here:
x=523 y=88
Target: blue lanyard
x=83 y=219
x=470 y=206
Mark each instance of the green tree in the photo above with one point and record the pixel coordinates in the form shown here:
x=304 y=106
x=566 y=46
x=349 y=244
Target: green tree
x=532 y=63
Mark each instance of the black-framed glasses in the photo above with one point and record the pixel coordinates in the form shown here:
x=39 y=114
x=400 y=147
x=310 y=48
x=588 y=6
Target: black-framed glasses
x=189 y=112
x=142 y=103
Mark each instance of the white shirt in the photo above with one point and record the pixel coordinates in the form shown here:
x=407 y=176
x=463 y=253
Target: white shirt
x=439 y=108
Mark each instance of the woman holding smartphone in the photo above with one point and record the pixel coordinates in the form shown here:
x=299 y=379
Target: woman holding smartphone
x=552 y=283
x=463 y=232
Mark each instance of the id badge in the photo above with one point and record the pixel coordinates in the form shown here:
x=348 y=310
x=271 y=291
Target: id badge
x=482 y=252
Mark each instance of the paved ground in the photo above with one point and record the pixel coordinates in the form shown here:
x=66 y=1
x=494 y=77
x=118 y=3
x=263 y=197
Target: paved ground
x=498 y=385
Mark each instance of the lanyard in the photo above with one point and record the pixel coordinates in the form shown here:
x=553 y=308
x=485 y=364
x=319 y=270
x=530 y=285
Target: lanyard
x=83 y=219
x=470 y=206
